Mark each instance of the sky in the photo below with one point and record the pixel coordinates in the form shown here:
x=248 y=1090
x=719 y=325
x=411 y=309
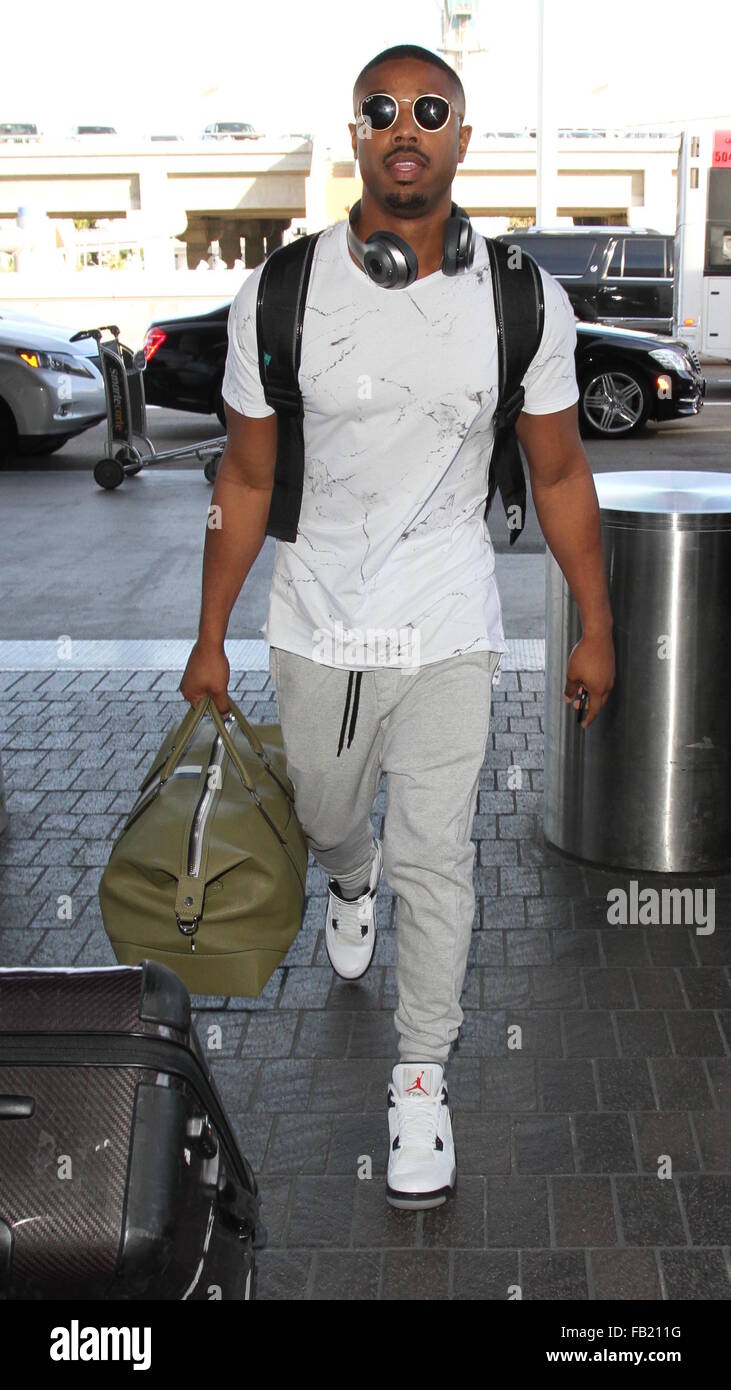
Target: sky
x=289 y=65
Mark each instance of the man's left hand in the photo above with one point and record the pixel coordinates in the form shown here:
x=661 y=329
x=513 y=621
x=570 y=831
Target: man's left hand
x=591 y=665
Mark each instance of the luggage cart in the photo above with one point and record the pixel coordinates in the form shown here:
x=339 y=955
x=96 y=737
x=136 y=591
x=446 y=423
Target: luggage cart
x=122 y=372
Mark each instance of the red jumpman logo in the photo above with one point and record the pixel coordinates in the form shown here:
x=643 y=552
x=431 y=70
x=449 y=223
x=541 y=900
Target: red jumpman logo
x=417 y=1086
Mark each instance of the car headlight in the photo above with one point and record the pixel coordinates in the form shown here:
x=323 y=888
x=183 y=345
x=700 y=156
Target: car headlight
x=670 y=358
x=55 y=361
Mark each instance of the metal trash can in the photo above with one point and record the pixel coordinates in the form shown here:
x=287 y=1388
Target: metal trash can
x=646 y=786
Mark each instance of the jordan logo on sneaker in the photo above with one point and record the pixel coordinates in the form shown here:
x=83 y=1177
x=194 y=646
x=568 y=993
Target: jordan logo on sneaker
x=417 y=1086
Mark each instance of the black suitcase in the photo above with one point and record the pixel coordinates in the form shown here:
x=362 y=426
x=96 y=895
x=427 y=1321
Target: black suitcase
x=120 y=1177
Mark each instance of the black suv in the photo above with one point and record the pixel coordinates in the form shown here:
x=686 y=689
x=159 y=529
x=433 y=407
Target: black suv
x=616 y=275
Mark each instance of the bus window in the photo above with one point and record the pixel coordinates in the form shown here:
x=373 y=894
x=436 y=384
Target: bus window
x=718 y=225
x=718 y=250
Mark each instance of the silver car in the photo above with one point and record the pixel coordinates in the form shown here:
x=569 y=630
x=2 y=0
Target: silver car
x=50 y=388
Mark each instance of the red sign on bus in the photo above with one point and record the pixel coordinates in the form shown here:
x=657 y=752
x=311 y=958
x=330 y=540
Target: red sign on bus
x=721 y=148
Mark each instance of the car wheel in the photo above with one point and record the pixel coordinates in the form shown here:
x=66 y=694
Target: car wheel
x=8 y=435
x=613 y=402
x=210 y=469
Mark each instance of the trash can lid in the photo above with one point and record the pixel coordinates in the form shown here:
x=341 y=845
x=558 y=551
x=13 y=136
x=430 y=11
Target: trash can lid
x=678 y=499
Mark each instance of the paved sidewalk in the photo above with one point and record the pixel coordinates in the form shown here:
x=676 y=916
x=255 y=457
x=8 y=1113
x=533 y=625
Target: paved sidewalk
x=625 y=1063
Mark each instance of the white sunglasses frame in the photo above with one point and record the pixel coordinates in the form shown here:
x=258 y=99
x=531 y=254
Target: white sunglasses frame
x=362 y=120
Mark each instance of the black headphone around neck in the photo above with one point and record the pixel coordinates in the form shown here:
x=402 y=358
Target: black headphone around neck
x=389 y=261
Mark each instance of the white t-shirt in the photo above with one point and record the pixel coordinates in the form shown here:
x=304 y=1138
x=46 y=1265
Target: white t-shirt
x=393 y=562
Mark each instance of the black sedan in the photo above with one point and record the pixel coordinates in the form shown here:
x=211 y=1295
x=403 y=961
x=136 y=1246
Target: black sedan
x=185 y=362
x=625 y=377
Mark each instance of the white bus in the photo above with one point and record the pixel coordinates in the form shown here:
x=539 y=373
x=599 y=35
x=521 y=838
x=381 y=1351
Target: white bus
x=702 y=291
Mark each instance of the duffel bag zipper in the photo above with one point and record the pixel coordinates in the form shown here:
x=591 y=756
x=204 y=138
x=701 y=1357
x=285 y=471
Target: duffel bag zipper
x=150 y=789
x=200 y=818
x=201 y=813
x=148 y=793
x=204 y=808
x=132 y=1050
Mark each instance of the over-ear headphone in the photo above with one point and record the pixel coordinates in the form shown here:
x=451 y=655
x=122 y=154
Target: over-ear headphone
x=389 y=260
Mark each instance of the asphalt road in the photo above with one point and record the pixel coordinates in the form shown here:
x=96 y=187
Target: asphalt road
x=699 y=442
x=127 y=564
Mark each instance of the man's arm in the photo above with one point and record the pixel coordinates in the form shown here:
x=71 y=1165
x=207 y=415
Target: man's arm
x=242 y=492
x=568 y=514
x=242 y=497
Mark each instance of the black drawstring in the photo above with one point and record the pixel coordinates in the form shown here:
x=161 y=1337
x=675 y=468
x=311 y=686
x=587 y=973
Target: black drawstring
x=358 y=676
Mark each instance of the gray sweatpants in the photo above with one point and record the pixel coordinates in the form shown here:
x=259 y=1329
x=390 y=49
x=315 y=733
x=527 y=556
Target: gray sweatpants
x=426 y=727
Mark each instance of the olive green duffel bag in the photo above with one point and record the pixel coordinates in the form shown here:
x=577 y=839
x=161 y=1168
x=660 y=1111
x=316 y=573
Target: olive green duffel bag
x=208 y=874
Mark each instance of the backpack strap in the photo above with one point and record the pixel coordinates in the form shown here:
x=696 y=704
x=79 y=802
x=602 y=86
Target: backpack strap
x=280 y=309
x=519 y=317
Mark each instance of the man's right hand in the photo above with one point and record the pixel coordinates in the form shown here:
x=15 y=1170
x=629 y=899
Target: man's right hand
x=207 y=673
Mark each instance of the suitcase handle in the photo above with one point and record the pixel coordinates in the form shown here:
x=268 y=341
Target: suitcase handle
x=16 y=1107
x=188 y=726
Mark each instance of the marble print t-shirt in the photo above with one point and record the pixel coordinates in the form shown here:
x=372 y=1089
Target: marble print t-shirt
x=393 y=562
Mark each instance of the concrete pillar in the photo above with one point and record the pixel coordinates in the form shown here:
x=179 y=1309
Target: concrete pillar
x=231 y=234
x=254 y=247
x=274 y=231
x=160 y=218
x=660 y=196
x=199 y=234
x=274 y=236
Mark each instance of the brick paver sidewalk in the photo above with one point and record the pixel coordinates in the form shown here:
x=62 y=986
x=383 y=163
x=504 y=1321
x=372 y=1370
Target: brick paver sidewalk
x=560 y=1147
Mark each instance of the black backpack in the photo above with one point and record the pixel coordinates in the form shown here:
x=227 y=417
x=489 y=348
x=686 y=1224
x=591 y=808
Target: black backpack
x=280 y=308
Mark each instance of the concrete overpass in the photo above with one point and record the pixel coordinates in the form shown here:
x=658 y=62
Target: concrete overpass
x=254 y=189
x=198 y=192
x=631 y=181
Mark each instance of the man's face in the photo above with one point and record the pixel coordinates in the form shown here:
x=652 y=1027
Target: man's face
x=437 y=153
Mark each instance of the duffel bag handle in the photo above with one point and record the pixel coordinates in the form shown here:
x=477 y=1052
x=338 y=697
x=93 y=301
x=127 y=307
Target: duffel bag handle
x=244 y=724
x=236 y=759
x=183 y=734
x=259 y=748
x=231 y=749
x=188 y=726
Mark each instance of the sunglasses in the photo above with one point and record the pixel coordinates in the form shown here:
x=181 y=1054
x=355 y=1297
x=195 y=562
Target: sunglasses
x=379 y=111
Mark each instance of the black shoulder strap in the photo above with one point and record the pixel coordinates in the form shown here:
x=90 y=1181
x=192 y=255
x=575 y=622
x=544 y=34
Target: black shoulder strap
x=280 y=309
x=519 y=316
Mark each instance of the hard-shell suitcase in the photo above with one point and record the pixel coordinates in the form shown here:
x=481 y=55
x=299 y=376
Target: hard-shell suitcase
x=120 y=1176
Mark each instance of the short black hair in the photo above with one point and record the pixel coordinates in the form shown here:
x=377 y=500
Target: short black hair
x=411 y=50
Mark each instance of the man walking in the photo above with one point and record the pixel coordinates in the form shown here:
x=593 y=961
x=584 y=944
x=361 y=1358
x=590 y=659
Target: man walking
x=384 y=624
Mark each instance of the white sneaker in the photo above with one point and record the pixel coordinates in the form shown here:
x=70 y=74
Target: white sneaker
x=422 y=1164
x=350 y=927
